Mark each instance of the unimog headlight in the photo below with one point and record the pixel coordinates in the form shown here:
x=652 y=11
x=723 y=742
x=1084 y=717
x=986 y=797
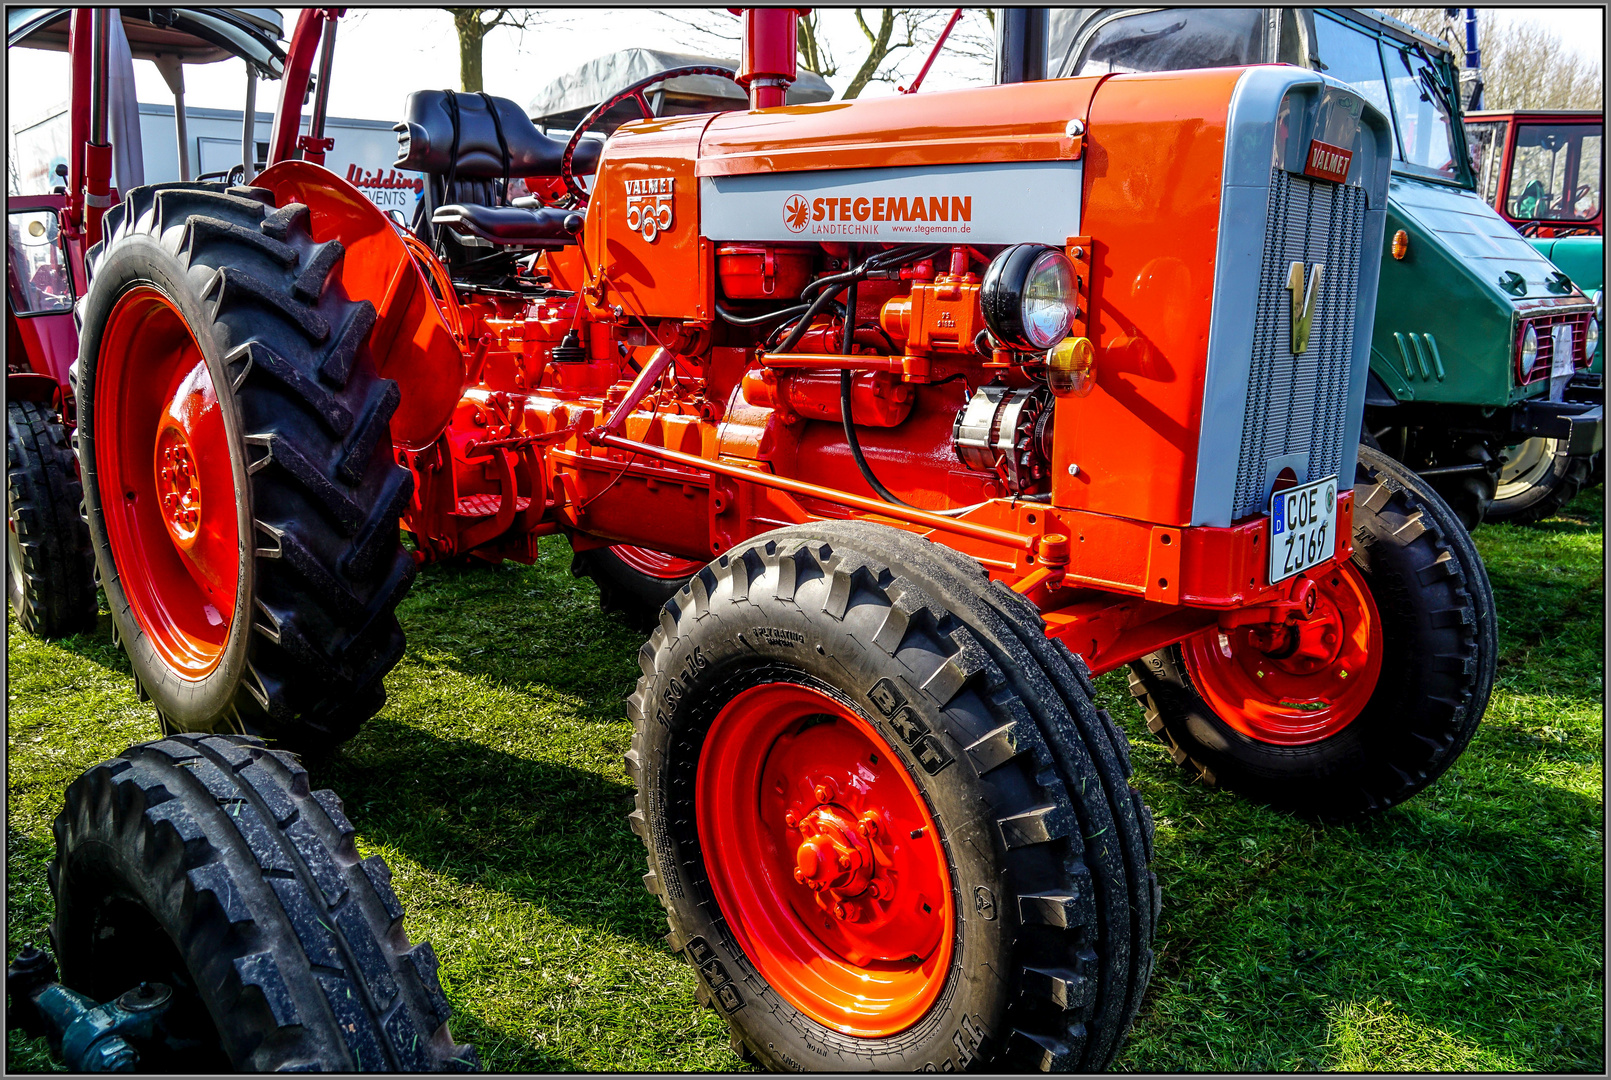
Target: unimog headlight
x=1529 y=353
x=1027 y=296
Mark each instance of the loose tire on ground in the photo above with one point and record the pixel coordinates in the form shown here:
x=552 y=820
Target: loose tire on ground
x=1029 y=847
x=214 y=328
x=633 y=582
x=1536 y=479
x=50 y=568
x=204 y=862
x=1438 y=644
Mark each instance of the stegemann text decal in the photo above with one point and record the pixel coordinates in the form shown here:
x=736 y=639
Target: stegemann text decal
x=998 y=203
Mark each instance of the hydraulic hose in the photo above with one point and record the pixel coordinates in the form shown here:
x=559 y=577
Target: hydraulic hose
x=846 y=379
x=763 y=319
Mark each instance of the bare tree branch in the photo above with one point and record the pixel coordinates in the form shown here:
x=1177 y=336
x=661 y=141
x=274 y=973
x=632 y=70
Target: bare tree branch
x=1525 y=65
x=896 y=42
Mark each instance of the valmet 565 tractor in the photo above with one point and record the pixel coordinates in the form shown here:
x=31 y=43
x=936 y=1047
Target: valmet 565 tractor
x=905 y=415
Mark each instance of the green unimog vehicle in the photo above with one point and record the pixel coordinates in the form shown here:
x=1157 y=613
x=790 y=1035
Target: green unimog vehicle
x=1476 y=334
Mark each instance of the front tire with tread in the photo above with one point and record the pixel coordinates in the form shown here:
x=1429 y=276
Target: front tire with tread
x=1032 y=795
x=1440 y=651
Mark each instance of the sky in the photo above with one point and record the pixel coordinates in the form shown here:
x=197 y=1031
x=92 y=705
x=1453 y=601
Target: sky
x=383 y=55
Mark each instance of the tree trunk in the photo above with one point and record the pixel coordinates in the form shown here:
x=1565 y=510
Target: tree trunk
x=467 y=21
x=875 y=55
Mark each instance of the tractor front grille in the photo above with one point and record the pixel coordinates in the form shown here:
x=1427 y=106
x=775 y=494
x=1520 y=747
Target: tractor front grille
x=1297 y=404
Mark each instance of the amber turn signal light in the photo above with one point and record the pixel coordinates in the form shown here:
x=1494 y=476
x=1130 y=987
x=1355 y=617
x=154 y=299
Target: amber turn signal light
x=1401 y=244
x=1071 y=367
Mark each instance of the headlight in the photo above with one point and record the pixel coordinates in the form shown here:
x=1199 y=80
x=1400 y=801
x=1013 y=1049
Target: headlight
x=1591 y=339
x=1599 y=306
x=1529 y=352
x=1026 y=295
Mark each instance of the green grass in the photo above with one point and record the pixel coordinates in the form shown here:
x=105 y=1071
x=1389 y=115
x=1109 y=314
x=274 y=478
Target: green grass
x=1462 y=931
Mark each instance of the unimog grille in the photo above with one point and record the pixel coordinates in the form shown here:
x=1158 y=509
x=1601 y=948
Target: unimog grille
x=1297 y=405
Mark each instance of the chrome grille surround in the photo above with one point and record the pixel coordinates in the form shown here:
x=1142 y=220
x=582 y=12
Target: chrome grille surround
x=1263 y=408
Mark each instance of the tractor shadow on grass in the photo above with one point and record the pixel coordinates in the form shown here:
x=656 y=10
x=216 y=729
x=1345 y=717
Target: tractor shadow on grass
x=529 y=629
x=552 y=842
x=537 y=831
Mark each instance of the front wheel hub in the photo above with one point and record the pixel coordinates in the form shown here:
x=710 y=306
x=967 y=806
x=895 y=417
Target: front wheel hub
x=824 y=859
x=1296 y=684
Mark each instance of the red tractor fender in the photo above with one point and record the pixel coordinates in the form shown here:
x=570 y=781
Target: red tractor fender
x=412 y=341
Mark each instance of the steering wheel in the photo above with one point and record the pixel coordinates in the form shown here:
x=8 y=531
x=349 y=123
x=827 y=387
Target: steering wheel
x=1569 y=202
x=635 y=92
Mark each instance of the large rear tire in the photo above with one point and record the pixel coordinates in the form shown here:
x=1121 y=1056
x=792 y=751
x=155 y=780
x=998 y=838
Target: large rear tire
x=1537 y=477
x=50 y=568
x=1339 y=737
x=235 y=444
x=205 y=863
x=997 y=910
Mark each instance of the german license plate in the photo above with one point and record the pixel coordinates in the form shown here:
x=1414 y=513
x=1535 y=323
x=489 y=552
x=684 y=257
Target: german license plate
x=1303 y=528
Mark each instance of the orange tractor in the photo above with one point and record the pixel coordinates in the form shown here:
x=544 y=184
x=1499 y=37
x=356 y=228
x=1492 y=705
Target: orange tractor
x=895 y=420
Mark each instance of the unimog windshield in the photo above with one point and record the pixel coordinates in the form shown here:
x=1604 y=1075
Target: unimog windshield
x=1409 y=83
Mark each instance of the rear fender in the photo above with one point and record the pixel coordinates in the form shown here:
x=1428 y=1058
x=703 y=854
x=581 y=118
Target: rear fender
x=411 y=342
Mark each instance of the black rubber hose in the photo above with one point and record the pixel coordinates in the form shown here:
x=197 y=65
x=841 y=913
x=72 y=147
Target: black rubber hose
x=846 y=380
x=760 y=320
x=830 y=287
x=823 y=299
x=778 y=330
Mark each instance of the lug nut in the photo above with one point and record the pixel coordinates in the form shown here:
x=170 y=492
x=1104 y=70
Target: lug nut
x=839 y=911
x=844 y=862
x=791 y=820
x=825 y=791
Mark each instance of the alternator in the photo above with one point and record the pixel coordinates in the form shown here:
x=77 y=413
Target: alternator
x=1007 y=432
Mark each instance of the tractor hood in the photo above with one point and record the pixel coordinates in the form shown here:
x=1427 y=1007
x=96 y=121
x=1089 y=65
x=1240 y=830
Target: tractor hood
x=1490 y=249
x=994 y=165
x=1018 y=122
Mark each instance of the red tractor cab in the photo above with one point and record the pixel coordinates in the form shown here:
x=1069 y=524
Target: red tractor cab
x=1541 y=168
x=49 y=568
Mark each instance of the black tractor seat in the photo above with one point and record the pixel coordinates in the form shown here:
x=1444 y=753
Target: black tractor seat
x=512 y=226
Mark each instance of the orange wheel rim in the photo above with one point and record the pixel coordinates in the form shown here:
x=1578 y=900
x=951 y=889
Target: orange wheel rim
x=824 y=860
x=1304 y=684
x=167 y=484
